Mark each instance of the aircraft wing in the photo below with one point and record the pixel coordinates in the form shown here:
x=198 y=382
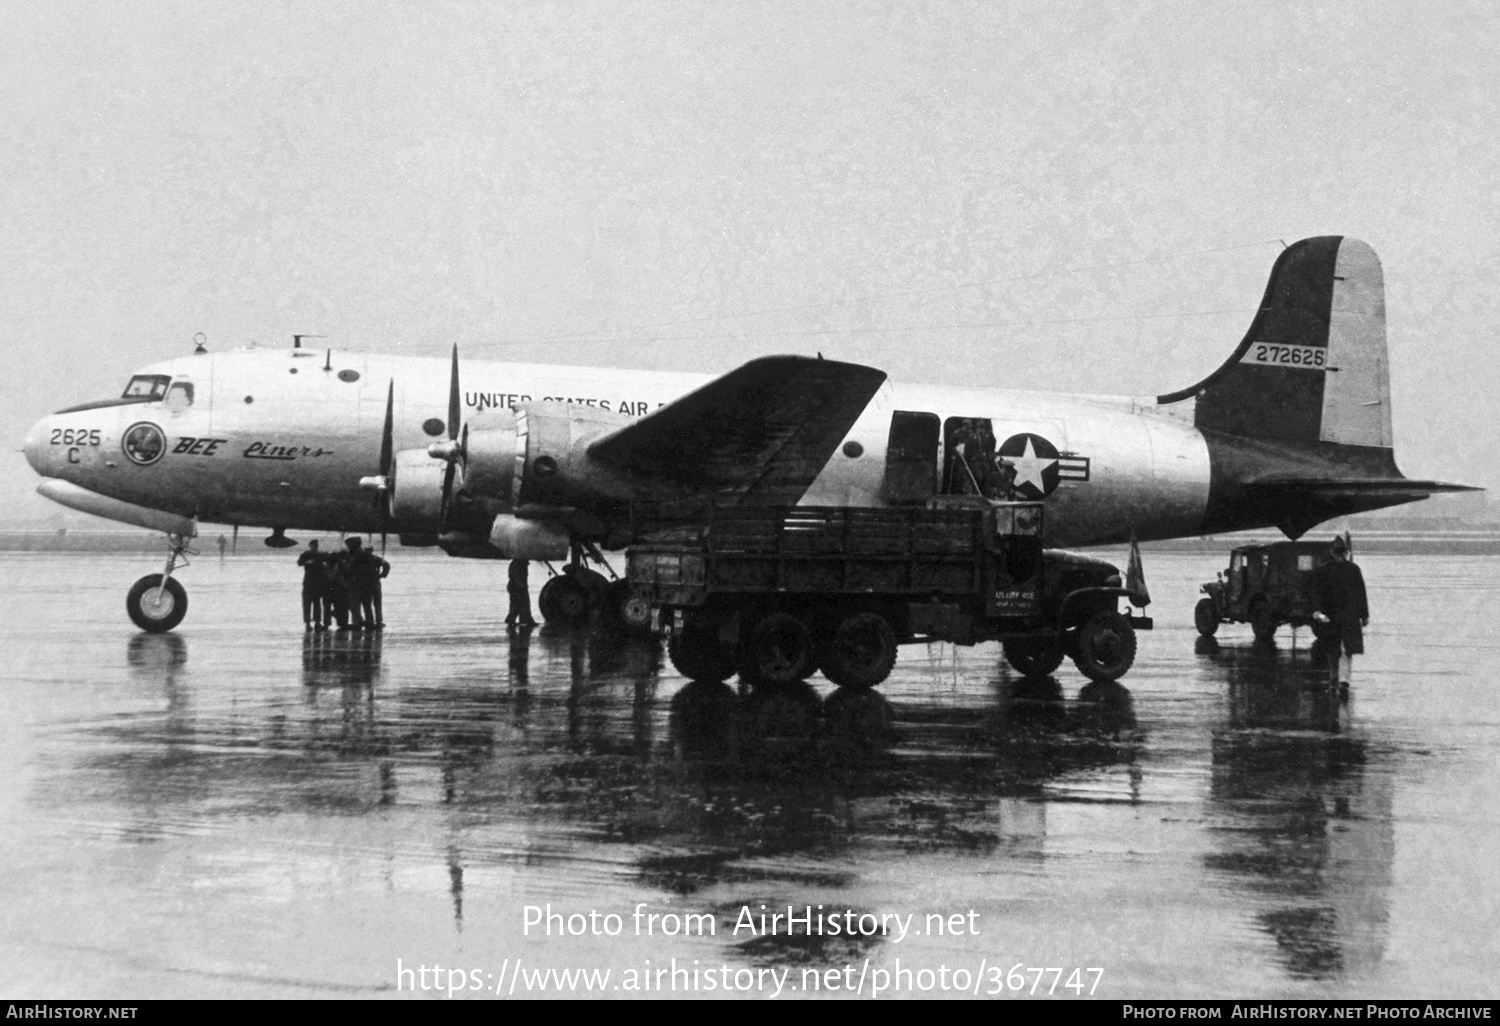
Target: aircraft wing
x=762 y=432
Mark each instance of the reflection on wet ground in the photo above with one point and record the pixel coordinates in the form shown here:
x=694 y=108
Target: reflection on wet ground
x=244 y=808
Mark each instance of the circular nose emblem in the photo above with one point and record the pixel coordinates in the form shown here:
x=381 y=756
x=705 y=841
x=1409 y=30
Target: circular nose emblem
x=144 y=443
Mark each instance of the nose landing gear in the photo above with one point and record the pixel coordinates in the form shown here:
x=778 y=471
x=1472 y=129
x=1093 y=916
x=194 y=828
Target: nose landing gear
x=156 y=602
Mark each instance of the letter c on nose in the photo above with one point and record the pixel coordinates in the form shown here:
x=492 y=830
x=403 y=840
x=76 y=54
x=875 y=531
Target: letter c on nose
x=73 y=455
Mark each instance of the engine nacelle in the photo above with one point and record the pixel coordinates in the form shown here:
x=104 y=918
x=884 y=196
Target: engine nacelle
x=515 y=538
x=495 y=461
x=537 y=454
x=417 y=490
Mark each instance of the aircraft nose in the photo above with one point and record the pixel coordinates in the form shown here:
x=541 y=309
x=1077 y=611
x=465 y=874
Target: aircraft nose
x=33 y=446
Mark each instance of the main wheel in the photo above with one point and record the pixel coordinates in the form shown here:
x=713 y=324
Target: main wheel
x=1263 y=621
x=628 y=608
x=779 y=651
x=700 y=655
x=154 y=608
x=563 y=599
x=1034 y=657
x=861 y=651
x=1206 y=617
x=1106 y=646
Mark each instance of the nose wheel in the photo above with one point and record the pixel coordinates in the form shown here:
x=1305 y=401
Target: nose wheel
x=157 y=603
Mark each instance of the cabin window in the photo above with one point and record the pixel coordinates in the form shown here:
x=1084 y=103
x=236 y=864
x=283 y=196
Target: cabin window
x=147 y=386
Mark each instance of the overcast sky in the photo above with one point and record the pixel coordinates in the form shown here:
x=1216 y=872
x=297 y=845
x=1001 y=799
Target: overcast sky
x=1082 y=197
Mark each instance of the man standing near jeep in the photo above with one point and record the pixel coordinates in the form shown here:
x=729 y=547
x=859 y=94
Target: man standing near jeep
x=1337 y=590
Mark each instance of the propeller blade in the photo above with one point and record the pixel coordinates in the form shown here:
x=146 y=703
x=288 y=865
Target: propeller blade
x=454 y=408
x=455 y=411
x=387 y=457
x=386 y=441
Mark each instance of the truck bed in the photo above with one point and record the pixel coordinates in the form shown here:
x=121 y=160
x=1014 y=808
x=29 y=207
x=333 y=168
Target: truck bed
x=836 y=550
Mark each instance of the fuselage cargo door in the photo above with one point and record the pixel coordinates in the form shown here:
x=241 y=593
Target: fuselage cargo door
x=911 y=458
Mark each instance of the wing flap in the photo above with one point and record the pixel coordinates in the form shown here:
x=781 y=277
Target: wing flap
x=762 y=432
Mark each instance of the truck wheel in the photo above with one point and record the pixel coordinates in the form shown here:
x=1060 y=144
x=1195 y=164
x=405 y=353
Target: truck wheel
x=1263 y=621
x=1106 y=646
x=153 y=608
x=861 y=652
x=700 y=655
x=1206 y=617
x=780 y=651
x=628 y=608
x=1034 y=657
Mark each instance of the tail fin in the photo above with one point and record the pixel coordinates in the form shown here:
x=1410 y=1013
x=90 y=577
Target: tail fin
x=1298 y=419
x=1313 y=366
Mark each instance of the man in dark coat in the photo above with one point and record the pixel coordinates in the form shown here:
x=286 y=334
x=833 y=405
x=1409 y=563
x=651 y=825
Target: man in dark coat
x=314 y=584
x=1338 y=594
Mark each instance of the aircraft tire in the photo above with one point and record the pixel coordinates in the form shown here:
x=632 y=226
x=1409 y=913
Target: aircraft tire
x=861 y=651
x=1206 y=617
x=1263 y=622
x=156 y=611
x=564 y=600
x=1034 y=657
x=700 y=655
x=1106 y=646
x=779 y=651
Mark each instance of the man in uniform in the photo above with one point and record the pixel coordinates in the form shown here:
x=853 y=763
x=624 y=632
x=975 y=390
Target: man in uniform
x=1337 y=590
x=362 y=573
x=314 y=585
x=520 y=596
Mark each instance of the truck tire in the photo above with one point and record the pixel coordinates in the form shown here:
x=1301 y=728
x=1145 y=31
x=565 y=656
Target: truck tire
x=1206 y=617
x=628 y=608
x=1034 y=657
x=861 y=651
x=1263 y=621
x=1106 y=646
x=700 y=655
x=779 y=651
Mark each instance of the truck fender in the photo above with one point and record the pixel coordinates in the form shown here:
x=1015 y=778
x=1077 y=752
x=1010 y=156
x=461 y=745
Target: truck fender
x=1076 y=604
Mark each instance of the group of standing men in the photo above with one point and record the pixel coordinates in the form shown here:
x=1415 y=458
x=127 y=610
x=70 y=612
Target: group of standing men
x=342 y=587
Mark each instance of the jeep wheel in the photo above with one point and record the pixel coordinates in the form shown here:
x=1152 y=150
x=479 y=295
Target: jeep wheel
x=1206 y=617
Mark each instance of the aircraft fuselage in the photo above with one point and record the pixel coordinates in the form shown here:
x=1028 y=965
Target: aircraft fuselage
x=282 y=439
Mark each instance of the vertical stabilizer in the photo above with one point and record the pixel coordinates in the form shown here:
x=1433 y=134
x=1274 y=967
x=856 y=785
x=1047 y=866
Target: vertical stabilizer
x=1313 y=366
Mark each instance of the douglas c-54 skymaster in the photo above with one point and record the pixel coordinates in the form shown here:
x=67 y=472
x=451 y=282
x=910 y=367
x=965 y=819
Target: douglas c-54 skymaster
x=551 y=462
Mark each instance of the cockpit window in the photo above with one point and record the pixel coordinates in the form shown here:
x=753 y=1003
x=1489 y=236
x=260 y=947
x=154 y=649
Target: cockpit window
x=147 y=386
x=180 y=395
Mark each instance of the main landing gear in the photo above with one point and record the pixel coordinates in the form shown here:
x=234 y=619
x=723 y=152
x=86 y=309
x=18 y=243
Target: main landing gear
x=157 y=602
x=575 y=595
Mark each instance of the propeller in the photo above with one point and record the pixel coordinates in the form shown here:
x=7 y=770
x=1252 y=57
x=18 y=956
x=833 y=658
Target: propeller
x=455 y=448
x=381 y=483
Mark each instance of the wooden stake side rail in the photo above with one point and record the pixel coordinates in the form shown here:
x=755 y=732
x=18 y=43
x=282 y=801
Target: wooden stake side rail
x=837 y=550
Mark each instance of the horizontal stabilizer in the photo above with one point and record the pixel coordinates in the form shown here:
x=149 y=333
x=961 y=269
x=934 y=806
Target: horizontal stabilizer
x=1300 y=504
x=761 y=432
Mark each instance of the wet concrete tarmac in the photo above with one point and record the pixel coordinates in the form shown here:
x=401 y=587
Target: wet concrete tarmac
x=238 y=809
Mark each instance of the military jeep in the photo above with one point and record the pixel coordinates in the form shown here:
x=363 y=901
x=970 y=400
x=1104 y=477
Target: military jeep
x=1265 y=586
